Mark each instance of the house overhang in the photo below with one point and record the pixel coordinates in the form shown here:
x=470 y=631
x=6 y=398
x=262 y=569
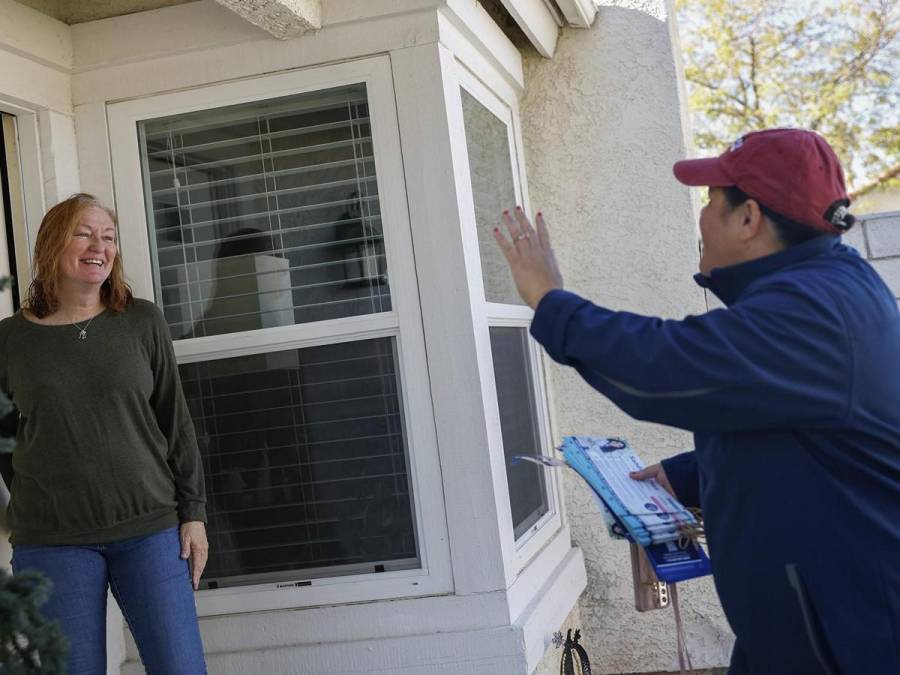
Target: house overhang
x=541 y=20
x=283 y=19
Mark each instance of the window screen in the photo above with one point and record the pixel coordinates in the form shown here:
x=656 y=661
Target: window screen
x=306 y=463
x=519 y=425
x=493 y=190
x=265 y=214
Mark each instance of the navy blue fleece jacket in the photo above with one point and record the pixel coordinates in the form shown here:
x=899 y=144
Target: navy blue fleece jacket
x=793 y=395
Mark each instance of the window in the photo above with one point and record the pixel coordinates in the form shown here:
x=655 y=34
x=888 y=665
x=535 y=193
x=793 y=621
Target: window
x=305 y=462
x=493 y=190
x=265 y=214
x=269 y=219
x=495 y=187
x=261 y=215
x=518 y=422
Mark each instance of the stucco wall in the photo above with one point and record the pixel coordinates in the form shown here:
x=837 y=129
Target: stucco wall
x=602 y=125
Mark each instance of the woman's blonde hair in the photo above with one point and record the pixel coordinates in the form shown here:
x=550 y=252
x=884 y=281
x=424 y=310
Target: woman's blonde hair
x=56 y=231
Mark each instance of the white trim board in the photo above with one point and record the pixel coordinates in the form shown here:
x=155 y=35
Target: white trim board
x=546 y=598
x=579 y=13
x=430 y=118
x=537 y=22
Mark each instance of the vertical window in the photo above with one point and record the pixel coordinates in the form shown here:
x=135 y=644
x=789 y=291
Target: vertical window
x=518 y=422
x=266 y=215
x=494 y=188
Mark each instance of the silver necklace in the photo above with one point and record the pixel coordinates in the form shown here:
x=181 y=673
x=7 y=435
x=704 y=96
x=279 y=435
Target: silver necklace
x=82 y=332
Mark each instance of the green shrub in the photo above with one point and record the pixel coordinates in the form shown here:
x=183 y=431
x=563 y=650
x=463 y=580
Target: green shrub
x=28 y=642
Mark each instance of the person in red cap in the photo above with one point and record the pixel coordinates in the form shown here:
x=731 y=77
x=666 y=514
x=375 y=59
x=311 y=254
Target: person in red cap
x=792 y=392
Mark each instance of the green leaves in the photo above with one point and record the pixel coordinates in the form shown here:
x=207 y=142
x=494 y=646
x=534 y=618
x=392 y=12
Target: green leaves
x=28 y=642
x=829 y=65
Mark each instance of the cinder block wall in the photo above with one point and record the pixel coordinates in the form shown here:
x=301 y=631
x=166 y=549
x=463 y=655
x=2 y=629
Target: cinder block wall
x=877 y=237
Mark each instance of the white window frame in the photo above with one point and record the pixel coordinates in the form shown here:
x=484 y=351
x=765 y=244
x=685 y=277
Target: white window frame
x=404 y=322
x=491 y=92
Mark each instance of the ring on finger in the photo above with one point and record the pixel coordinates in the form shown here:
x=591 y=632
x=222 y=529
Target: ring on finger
x=521 y=236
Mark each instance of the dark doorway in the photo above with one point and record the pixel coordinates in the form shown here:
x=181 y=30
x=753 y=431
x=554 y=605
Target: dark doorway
x=9 y=190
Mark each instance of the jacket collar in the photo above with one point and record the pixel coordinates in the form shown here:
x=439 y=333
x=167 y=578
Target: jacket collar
x=728 y=283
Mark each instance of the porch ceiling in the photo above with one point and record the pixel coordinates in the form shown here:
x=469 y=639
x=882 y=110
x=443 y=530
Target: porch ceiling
x=81 y=11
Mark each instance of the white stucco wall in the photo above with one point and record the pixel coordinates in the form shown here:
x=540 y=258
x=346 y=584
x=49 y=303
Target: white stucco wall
x=602 y=125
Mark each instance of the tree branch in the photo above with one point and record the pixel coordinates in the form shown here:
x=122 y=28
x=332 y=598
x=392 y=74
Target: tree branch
x=754 y=85
x=718 y=89
x=892 y=172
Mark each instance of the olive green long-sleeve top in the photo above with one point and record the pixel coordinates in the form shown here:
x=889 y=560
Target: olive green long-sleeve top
x=105 y=448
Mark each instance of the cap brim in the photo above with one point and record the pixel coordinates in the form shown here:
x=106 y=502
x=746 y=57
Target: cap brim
x=702 y=172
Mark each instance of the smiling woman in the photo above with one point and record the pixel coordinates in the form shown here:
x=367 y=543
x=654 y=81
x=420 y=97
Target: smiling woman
x=76 y=250
x=108 y=488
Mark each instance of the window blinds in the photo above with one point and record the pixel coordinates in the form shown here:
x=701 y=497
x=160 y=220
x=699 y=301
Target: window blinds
x=265 y=214
x=306 y=463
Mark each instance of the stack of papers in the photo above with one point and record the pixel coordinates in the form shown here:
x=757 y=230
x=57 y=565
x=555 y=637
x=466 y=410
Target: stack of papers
x=649 y=514
x=639 y=511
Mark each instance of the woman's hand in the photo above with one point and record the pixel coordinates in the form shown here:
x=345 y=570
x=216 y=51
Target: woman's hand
x=530 y=256
x=657 y=473
x=195 y=547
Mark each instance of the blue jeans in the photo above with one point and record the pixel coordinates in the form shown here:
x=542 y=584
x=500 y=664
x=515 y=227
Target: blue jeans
x=150 y=582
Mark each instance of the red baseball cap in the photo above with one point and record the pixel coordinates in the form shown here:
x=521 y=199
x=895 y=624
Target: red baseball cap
x=792 y=172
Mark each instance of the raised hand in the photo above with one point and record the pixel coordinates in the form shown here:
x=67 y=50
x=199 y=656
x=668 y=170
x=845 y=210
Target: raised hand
x=529 y=255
